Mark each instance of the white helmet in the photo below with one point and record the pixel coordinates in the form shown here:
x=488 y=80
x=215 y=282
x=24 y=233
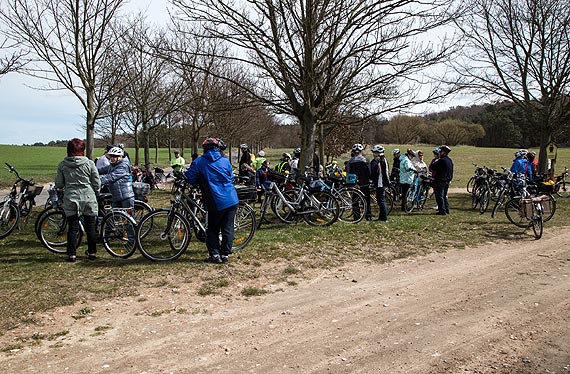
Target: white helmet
x=358 y=147
x=115 y=151
x=395 y=151
x=378 y=149
x=261 y=154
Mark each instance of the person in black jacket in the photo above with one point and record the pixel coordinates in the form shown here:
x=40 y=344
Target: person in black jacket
x=443 y=174
x=359 y=165
x=380 y=179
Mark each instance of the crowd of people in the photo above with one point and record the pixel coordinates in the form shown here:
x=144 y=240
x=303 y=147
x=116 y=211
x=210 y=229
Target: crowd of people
x=82 y=179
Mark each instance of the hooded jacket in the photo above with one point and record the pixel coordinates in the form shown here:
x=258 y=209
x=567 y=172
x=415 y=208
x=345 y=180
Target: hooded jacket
x=360 y=166
x=407 y=170
x=213 y=172
x=79 y=179
x=118 y=177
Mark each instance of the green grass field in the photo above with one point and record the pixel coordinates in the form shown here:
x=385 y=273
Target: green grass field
x=33 y=280
x=41 y=163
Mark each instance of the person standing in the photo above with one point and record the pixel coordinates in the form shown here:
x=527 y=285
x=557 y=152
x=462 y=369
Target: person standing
x=284 y=165
x=256 y=164
x=395 y=173
x=177 y=162
x=214 y=175
x=359 y=165
x=380 y=179
x=407 y=173
x=443 y=174
x=79 y=179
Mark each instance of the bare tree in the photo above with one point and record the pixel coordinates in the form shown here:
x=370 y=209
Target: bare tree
x=314 y=59
x=11 y=58
x=520 y=50
x=404 y=129
x=68 y=40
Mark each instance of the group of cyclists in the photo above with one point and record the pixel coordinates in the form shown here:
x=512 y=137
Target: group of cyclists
x=371 y=176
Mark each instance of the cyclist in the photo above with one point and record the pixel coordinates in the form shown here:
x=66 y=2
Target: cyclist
x=284 y=165
x=531 y=157
x=117 y=176
x=79 y=179
x=256 y=164
x=407 y=173
x=522 y=165
x=177 y=162
x=443 y=174
x=380 y=179
x=295 y=160
x=213 y=173
x=359 y=165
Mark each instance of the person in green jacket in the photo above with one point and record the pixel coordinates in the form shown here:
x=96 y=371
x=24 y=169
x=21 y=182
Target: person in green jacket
x=177 y=162
x=77 y=176
x=256 y=164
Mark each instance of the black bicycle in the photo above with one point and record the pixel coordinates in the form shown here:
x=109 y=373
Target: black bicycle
x=17 y=207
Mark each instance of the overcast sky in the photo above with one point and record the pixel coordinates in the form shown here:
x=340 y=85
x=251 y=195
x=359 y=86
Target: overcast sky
x=28 y=115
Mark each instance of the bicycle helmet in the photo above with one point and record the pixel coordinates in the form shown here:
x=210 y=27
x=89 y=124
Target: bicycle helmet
x=395 y=151
x=378 y=149
x=286 y=156
x=444 y=148
x=261 y=154
x=210 y=143
x=222 y=145
x=121 y=145
x=297 y=151
x=243 y=146
x=436 y=151
x=176 y=152
x=410 y=152
x=115 y=151
x=357 y=148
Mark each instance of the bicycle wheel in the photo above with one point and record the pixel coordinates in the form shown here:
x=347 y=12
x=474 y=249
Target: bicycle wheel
x=536 y=223
x=25 y=213
x=163 y=235
x=388 y=199
x=323 y=208
x=498 y=203
x=422 y=197
x=38 y=218
x=141 y=209
x=484 y=199
x=514 y=212
x=475 y=196
x=244 y=226
x=282 y=210
x=52 y=232
x=470 y=184
x=562 y=189
x=118 y=234
x=352 y=205
x=9 y=218
x=410 y=200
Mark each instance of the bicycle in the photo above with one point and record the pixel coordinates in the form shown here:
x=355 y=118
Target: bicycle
x=561 y=186
x=164 y=234
x=533 y=210
x=514 y=208
x=417 y=194
x=352 y=202
x=17 y=207
x=115 y=230
x=471 y=183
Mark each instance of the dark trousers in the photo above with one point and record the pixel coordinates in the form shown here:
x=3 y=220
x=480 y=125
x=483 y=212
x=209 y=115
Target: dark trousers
x=440 y=191
x=380 y=193
x=404 y=189
x=73 y=234
x=220 y=221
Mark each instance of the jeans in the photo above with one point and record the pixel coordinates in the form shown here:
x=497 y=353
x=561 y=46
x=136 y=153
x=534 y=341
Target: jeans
x=440 y=191
x=220 y=221
x=73 y=233
x=380 y=193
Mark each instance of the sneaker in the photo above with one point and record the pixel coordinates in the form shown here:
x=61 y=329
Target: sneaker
x=71 y=259
x=225 y=259
x=213 y=260
x=90 y=256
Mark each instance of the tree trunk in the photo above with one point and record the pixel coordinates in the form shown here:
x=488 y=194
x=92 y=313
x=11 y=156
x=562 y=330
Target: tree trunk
x=307 y=141
x=90 y=125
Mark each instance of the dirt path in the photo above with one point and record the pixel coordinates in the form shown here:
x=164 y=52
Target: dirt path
x=491 y=309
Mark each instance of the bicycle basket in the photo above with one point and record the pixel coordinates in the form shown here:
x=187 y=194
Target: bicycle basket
x=245 y=192
x=351 y=179
x=546 y=203
x=318 y=186
x=38 y=190
x=526 y=207
x=141 y=190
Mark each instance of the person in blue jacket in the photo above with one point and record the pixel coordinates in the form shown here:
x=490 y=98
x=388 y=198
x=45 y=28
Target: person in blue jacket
x=117 y=175
x=521 y=165
x=213 y=173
